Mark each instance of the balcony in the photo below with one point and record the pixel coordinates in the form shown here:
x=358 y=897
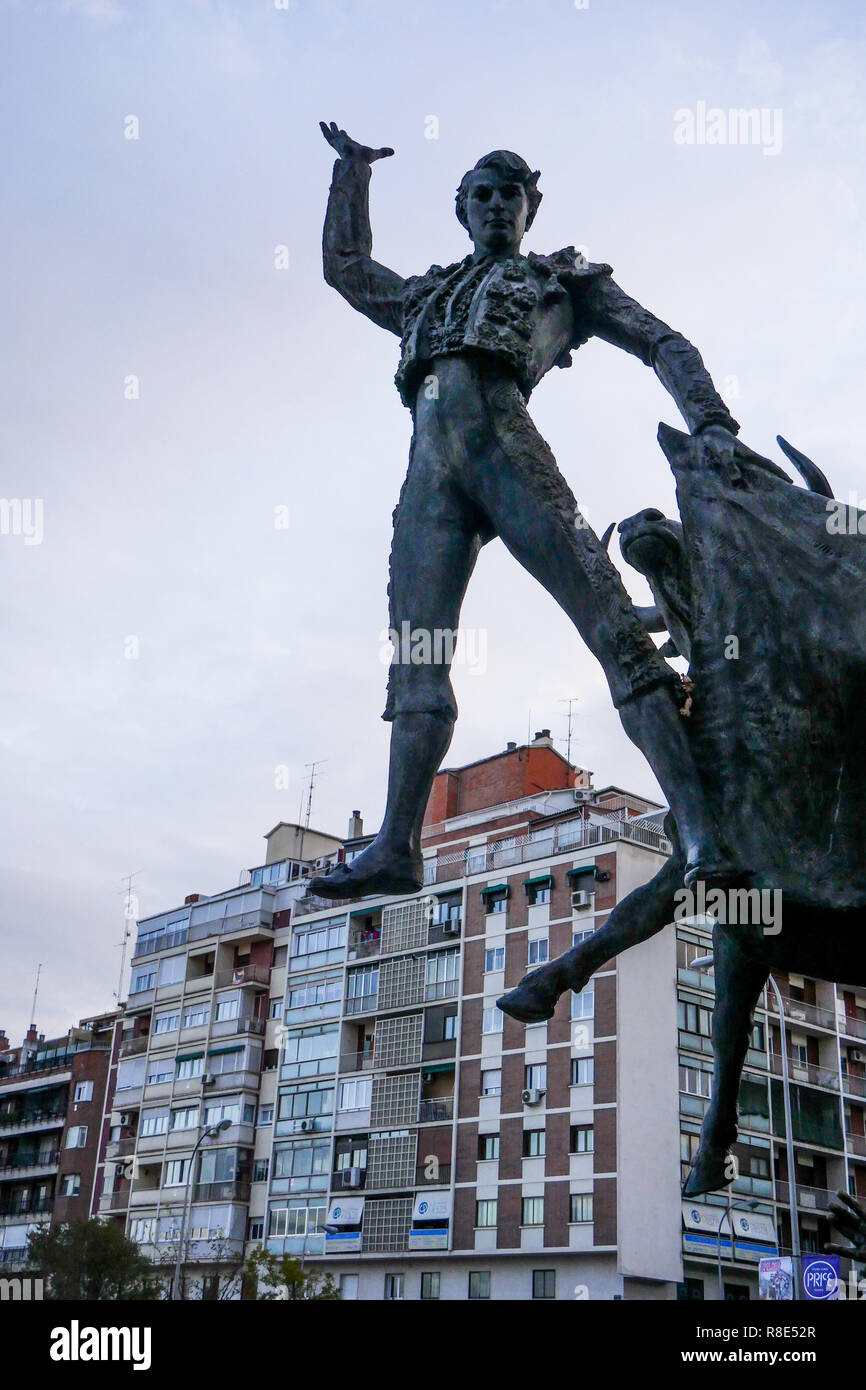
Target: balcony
x=120 y=1148
x=363 y=1003
x=853 y=1085
x=575 y=835
x=363 y=944
x=30 y=1167
x=134 y=1047
x=808 y=1198
x=806 y=1073
x=164 y=941
x=114 y=1201
x=21 y=1124
x=34 y=1069
x=17 y=1211
x=261 y=919
x=852 y=1027
x=856 y=1144
x=258 y=976
x=796 y=1011
x=235 y=1191
x=435 y=1110
x=357 y=1061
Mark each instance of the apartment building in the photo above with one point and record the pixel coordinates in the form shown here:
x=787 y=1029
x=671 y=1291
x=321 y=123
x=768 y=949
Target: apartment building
x=52 y=1094
x=197 y=1048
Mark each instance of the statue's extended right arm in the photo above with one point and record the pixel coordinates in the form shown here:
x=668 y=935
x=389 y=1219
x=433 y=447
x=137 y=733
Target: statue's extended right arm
x=347 y=240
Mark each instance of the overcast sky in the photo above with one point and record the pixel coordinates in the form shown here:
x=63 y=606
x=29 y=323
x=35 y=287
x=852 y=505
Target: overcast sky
x=166 y=646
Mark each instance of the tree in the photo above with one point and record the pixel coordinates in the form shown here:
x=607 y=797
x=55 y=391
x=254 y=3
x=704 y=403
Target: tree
x=270 y=1276
x=85 y=1260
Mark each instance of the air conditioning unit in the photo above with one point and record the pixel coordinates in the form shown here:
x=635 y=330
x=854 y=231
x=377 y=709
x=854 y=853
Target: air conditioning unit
x=125 y=1119
x=351 y=1177
x=208 y=1079
x=532 y=1097
x=581 y=900
x=857 y=1055
x=306 y=1125
x=322 y=862
x=451 y=927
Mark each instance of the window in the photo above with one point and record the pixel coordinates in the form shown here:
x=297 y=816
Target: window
x=143 y=1231
x=696 y=1082
x=578 y=936
x=581 y=1207
x=355 y=1095
x=430 y=1285
x=534 y=1143
x=449 y=1027
x=479 y=1284
x=583 y=1004
x=172 y=969
x=362 y=987
x=161 y=1070
x=582 y=1071
x=582 y=1139
x=304 y=1103
x=492 y=1020
x=692 y=1018
x=758 y=1041
x=166 y=1023
x=544 y=1283
x=491 y=1083
x=275 y=1008
x=70 y=1184
x=690 y=1290
x=324 y=936
x=305 y=1164
x=393 y=1287
x=535 y=1077
x=485 y=1212
x=185 y=1118
x=538 y=951
x=227 y=1006
x=441 y=978
x=352 y=1157
x=260 y=1170
x=83 y=1091
x=142 y=980
x=176 y=1170
x=532 y=1212
x=488 y=1147
x=153 y=1122
x=189 y=1067
x=476 y=860
x=76 y=1137
x=494 y=958
x=196 y=1016
x=266 y=1114
x=257 y=1229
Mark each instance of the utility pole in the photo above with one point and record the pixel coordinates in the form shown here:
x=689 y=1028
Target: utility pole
x=35 y=995
x=313 y=768
x=570 y=702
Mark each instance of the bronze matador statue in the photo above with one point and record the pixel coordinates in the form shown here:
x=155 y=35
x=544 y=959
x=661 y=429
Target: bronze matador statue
x=476 y=338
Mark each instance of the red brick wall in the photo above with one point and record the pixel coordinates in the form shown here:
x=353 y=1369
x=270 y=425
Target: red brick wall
x=556 y=1213
x=604 y=1211
x=508 y=1230
x=502 y=778
x=605 y=1071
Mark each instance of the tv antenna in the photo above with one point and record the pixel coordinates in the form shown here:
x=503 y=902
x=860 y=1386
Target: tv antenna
x=127 y=930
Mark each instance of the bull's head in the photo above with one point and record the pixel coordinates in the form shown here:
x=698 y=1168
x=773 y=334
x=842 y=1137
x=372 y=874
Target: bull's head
x=653 y=544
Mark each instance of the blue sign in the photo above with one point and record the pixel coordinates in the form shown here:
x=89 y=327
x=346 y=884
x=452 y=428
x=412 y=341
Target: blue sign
x=820 y=1277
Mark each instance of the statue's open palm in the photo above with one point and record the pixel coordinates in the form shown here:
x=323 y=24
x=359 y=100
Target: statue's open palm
x=347 y=148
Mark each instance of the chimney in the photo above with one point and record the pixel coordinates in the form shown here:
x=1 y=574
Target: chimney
x=356 y=826
x=542 y=739
x=4 y=1041
x=191 y=898
x=510 y=746
x=30 y=1035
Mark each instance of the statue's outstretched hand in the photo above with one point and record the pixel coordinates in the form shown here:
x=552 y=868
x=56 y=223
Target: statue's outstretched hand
x=849 y=1218
x=347 y=148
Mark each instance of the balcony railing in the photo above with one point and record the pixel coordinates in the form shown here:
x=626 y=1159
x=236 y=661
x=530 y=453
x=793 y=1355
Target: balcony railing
x=438 y=1108
x=161 y=942
x=852 y=1027
x=36 y=1067
x=133 y=1047
x=805 y=1072
x=357 y=1061
x=856 y=1143
x=235 y=1191
x=363 y=1003
x=38 y=1120
x=438 y=989
x=809 y=1198
x=853 y=1085
x=797 y=1011
x=48 y=1160
x=361 y=946
x=14 y=1211
x=258 y=975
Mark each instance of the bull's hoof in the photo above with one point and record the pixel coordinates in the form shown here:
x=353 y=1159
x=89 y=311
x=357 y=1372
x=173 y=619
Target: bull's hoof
x=709 y=1173
x=377 y=870
x=534 y=999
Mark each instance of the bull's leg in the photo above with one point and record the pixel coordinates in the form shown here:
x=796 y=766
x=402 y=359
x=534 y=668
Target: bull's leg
x=739 y=982
x=640 y=915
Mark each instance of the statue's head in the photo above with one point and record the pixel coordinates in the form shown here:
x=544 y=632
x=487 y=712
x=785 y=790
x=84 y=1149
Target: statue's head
x=497 y=202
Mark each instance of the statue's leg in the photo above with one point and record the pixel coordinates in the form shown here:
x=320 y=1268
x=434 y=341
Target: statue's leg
x=437 y=537
x=739 y=981
x=536 y=515
x=640 y=915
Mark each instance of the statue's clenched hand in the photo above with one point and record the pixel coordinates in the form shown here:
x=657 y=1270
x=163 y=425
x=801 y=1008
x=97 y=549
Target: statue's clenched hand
x=347 y=148
x=849 y=1218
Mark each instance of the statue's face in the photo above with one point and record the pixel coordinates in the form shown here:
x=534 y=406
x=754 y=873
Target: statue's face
x=496 y=210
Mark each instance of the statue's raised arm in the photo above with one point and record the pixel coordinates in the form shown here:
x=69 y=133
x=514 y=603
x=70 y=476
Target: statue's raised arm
x=347 y=240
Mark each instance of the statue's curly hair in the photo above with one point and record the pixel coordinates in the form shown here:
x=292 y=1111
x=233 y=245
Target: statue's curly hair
x=504 y=162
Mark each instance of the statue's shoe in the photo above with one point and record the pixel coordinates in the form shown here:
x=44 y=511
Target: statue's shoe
x=708 y=1174
x=533 y=1001
x=361 y=880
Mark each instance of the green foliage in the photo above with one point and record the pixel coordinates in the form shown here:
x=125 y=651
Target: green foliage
x=270 y=1276
x=82 y=1261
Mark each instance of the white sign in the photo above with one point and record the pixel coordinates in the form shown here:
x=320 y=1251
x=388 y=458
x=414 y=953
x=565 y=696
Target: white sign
x=432 y=1206
x=748 y=1225
x=345 y=1211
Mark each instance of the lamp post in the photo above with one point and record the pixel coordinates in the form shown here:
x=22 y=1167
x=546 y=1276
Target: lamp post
x=732 y=1207
x=210 y=1133
x=707 y=962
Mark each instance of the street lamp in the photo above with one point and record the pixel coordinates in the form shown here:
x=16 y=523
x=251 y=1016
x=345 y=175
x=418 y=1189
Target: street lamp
x=210 y=1133
x=707 y=962
x=732 y=1207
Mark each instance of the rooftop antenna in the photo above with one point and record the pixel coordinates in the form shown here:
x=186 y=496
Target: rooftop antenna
x=573 y=700
x=128 y=916
x=313 y=768
x=35 y=996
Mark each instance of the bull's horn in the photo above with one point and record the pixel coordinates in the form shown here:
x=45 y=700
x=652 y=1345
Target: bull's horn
x=605 y=540
x=809 y=471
